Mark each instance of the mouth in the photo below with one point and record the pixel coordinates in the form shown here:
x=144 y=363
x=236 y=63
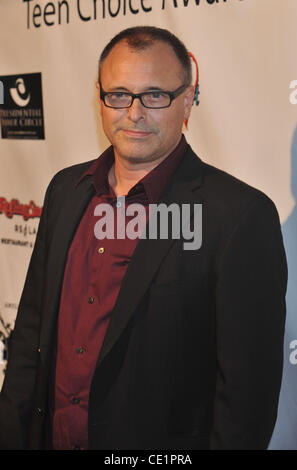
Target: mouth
x=136 y=134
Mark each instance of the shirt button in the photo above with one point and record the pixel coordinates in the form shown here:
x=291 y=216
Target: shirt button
x=80 y=350
x=118 y=204
x=101 y=250
x=75 y=401
x=91 y=300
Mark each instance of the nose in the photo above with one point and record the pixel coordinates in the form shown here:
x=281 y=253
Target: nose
x=137 y=111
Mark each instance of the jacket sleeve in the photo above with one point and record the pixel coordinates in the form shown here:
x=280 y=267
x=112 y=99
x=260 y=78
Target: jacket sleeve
x=17 y=391
x=250 y=316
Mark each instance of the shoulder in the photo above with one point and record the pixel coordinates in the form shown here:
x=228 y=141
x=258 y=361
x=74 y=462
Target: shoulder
x=71 y=175
x=63 y=184
x=226 y=193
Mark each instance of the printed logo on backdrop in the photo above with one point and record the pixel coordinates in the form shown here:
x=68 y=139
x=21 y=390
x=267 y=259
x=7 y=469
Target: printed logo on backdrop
x=23 y=230
x=1 y=93
x=5 y=340
x=21 y=109
x=293 y=94
x=61 y=12
x=18 y=230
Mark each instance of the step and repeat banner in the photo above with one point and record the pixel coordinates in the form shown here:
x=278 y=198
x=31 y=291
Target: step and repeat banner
x=245 y=123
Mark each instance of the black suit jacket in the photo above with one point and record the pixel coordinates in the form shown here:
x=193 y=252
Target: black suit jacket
x=192 y=357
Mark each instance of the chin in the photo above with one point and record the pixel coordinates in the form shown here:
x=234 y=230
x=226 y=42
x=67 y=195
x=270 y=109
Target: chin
x=138 y=158
x=138 y=154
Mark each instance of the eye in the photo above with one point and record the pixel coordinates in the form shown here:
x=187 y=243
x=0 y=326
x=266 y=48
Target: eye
x=118 y=99
x=156 y=99
x=115 y=96
x=156 y=95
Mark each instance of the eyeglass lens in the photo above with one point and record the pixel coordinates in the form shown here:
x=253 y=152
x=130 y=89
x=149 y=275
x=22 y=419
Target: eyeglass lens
x=154 y=99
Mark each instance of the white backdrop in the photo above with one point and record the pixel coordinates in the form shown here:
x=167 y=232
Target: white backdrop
x=245 y=122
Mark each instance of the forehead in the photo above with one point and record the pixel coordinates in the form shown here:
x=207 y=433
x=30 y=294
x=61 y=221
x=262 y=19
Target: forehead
x=127 y=66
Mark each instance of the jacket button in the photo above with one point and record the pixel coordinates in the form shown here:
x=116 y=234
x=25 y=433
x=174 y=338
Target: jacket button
x=40 y=411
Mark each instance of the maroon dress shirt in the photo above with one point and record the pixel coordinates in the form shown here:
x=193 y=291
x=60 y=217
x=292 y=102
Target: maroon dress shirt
x=92 y=280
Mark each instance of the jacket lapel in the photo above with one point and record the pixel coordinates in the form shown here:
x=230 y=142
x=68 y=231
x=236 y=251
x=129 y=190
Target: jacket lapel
x=69 y=216
x=149 y=253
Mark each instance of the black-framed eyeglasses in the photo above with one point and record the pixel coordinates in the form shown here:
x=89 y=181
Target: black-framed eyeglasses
x=155 y=99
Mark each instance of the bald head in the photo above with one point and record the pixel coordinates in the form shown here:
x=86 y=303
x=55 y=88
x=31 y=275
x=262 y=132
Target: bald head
x=142 y=37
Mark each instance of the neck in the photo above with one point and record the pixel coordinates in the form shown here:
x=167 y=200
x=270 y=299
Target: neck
x=123 y=175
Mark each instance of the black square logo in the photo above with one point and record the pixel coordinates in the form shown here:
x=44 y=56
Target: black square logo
x=21 y=109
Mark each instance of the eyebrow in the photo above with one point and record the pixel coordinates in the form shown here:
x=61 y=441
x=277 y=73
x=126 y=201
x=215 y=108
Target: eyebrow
x=149 y=88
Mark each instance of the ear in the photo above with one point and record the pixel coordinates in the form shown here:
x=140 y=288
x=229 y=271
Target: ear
x=99 y=99
x=188 y=101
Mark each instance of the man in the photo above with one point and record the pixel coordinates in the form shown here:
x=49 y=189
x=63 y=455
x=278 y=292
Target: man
x=139 y=343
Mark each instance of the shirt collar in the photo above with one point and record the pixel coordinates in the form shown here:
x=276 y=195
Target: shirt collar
x=153 y=183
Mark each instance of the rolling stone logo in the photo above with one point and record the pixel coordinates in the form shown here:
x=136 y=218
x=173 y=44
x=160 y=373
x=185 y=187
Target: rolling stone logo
x=21 y=109
x=23 y=229
x=14 y=207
